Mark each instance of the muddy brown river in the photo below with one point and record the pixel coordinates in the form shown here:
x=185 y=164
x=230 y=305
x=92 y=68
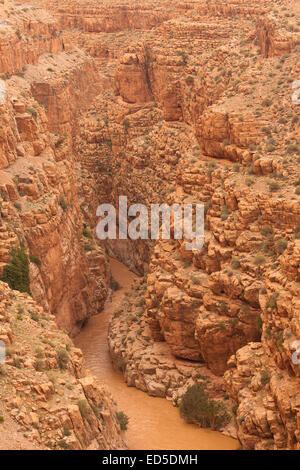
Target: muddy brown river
x=154 y=423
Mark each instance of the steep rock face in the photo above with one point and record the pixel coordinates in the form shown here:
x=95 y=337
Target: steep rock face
x=191 y=312
x=26 y=33
x=241 y=161
x=231 y=8
x=195 y=109
x=273 y=40
x=48 y=204
x=40 y=187
x=132 y=71
x=267 y=398
x=43 y=386
x=150 y=365
x=229 y=271
x=65 y=85
x=263 y=378
x=105 y=17
x=9 y=145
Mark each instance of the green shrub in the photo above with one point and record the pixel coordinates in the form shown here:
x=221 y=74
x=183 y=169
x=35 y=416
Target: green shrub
x=197 y=408
x=16 y=272
x=86 y=233
x=34 y=259
x=83 y=408
x=121 y=364
x=187 y=263
x=89 y=247
x=259 y=260
x=272 y=302
x=63 y=204
x=63 y=358
x=258 y=323
x=126 y=124
x=235 y=263
x=39 y=353
x=39 y=365
x=249 y=181
x=189 y=80
x=273 y=186
x=1 y=419
x=270 y=148
x=59 y=141
x=266 y=230
x=140 y=302
x=114 y=285
x=34 y=316
x=264 y=377
x=281 y=245
x=122 y=419
x=293 y=148
x=63 y=444
x=224 y=213
x=195 y=280
x=17 y=362
x=267 y=102
x=67 y=431
x=32 y=111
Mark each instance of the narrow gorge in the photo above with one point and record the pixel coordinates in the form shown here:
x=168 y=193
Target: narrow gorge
x=166 y=103
x=150 y=419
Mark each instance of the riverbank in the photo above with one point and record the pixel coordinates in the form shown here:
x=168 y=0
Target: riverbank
x=154 y=423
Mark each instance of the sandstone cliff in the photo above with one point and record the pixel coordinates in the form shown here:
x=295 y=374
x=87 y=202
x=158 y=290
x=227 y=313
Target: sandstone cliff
x=48 y=205
x=40 y=184
x=43 y=387
x=182 y=102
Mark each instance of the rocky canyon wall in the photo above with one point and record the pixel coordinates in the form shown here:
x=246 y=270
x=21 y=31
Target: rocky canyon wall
x=43 y=386
x=42 y=200
x=241 y=161
x=189 y=102
x=48 y=206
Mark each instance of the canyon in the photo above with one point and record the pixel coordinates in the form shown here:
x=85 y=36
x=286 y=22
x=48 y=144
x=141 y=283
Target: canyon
x=164 y=102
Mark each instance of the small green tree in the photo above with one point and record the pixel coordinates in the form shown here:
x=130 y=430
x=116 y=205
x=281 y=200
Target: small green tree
x=126 y=124
x=197 y=408
x=63 y=358
x=122 y=419
x=16 y=272
x=83 y=408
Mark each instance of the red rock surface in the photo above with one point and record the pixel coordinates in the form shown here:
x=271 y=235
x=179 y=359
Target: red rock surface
x=164 y=102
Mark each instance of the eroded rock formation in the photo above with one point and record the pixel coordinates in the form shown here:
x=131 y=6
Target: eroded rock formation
x=42 y=384
x=181 y=102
